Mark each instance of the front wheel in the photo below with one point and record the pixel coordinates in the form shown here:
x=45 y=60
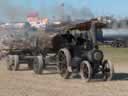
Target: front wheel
x=38 y=65
x=86 y=71
x=108 y=70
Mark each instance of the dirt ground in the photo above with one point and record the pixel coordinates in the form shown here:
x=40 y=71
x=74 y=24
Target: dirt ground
x=26 y=83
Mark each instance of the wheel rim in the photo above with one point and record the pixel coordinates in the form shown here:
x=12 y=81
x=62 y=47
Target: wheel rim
x=9 y=63
x=38 y=65
x=86 y=71
x=35 y=65
x=62 y=63
x=108 y=70
x=15 y=63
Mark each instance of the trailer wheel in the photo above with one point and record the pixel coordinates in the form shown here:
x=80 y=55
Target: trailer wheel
x=64 y=63
x=38 y=65
x=108 y=70
x=16 y=63
x=86 y=71
x=13 y=62
x=10 y=62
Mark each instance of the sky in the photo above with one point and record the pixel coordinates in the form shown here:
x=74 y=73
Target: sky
x=17 y=10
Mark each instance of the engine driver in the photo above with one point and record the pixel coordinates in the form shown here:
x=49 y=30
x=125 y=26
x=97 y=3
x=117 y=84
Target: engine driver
x=69 y=37
x=80 y=40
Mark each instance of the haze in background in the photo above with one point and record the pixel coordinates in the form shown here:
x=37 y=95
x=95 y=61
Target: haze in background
x=17 y=10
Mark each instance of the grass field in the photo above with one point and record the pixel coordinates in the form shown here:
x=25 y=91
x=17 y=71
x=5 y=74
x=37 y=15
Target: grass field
x=26 y=83
x=116 y=55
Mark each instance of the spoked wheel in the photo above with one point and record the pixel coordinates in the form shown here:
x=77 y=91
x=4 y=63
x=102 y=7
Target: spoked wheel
x=86 y=71
x=38 y=65
x=10 y=62
x=108 y=70
x=13 y=62
x=64 y=63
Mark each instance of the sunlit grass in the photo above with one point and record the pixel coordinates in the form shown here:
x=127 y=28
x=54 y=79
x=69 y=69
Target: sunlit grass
x=116 y=55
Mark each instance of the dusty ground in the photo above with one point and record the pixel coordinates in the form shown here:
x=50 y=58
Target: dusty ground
x=26 y=83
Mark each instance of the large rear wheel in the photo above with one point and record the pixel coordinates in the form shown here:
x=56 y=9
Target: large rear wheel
x=64 y=63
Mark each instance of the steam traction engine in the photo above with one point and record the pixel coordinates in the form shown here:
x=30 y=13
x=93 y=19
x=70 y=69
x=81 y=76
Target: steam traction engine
x=71 y=53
